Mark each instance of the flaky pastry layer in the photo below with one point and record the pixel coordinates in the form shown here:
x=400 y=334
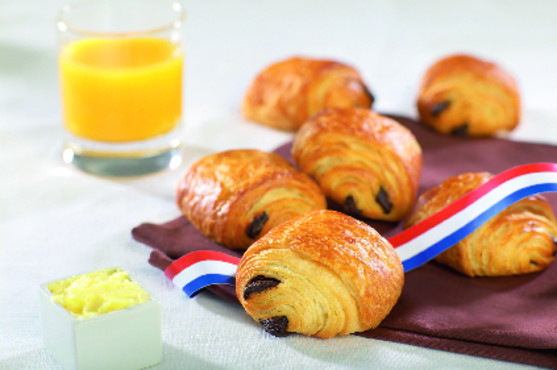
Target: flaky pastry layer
x=235 y=197
x=321 y=274
x=285 y=94
x=367 y=162
x=465 y=96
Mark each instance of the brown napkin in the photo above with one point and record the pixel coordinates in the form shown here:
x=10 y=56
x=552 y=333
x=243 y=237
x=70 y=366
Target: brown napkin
x=508 y=318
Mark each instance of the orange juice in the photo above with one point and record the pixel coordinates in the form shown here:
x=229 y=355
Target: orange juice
x=121 y=90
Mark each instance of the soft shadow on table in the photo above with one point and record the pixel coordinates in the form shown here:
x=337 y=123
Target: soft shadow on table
x=30 y=359
x=348 y=351
x=172 y=358
x=176 y=358
x=223 y=308
x=354 y=352
x=163 y=184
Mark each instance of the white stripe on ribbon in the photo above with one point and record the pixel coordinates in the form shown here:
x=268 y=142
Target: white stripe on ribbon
x=203 y=268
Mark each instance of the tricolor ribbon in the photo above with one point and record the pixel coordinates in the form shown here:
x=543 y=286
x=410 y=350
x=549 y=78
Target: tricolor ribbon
x=415 y=245
x=199 y=269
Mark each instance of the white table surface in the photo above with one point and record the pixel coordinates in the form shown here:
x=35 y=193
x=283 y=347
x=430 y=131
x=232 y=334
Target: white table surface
x=56 y=221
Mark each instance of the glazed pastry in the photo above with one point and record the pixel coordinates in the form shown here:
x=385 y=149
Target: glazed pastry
x=287 y=93
x=321 y=274
x=364 y=161
x=235 y=197
x=518 y=240
x=465 y=96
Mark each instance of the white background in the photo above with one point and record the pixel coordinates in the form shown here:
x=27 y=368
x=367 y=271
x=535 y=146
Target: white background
x=56 y=221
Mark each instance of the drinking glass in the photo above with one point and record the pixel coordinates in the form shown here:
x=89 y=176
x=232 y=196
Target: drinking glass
x=121 y=69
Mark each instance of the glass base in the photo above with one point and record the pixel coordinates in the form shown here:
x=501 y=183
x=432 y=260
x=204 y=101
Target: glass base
x=124 y=160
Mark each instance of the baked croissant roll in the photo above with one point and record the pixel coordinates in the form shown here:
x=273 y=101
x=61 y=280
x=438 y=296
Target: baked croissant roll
x=236 y=196
x=321 y=274
x=465 y=96
x=367 y=162
x=518 y=240
x=287 y=93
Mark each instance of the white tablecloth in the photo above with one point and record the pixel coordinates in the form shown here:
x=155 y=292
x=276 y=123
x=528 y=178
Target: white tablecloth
x=56 y=221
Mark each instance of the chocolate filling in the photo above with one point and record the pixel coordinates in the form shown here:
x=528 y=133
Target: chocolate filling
x=259 y=284
x=276 y=326
x=368 y=93
x=439 y=107
x=256 y=225
x=461 y=130
x=350 y=206
x=383 y=200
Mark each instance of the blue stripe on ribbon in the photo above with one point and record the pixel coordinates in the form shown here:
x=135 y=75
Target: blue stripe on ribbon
x=450 y=240
x=194 y=286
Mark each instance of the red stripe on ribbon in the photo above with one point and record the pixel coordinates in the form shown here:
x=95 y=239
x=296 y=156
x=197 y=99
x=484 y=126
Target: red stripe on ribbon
x=197 y=256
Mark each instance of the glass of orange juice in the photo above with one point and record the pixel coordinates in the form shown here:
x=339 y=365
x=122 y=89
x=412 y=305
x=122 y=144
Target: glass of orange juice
x=121 y=71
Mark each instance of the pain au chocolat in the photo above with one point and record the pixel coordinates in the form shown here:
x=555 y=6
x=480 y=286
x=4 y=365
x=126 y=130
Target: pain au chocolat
x=321 y=274
x=235 y=197
x=465 y=96
x=362 y=160
x=287 y=93
x=518 y=240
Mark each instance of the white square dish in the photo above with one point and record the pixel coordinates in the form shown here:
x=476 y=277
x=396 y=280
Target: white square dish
x=129 y=338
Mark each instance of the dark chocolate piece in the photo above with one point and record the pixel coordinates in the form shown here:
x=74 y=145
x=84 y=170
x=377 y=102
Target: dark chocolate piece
x=461 y=130
x=259 y=284
x=440 y=107
x=276 y=326
x=368 y=93
x=350 y=206
x=383 y=199
x=256 y=225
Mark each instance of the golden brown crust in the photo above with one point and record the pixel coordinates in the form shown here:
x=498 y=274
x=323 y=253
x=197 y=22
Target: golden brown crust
x=328 y=274
x=236 y=196
x=467 y=96
x=287 y=93
x=360 y=159
x=518 y=240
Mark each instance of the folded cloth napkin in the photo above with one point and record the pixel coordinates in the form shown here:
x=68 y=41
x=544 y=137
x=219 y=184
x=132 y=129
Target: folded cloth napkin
x=506 y=318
